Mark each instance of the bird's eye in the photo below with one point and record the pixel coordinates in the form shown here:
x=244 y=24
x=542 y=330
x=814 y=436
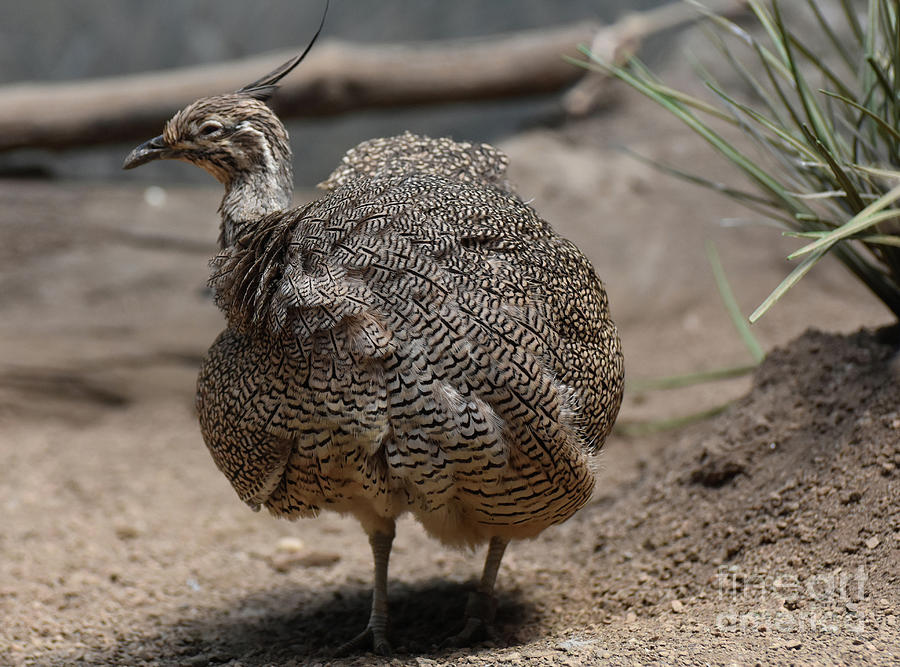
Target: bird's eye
x=209 y=128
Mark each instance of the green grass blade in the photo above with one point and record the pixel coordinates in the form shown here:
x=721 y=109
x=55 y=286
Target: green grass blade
x=854 y=226
x=894 y=134
x=639 y=428
x=868 y=76
x=786 y=284
x=876 y=171
x=756 y=202
x=773 y=81
x=882 y=239
x=878 y=239
x=881 y=76
x=731 y=304
x=820 y=65
x=749 y=79
x=689 y=379
x=869 y=216
x=769 y=25
x=837 y=44
x=861 y=143
x=781 y=133
x=827 y=194
x=853 y=21
x=895 y=36
x=843 y=180
x=823 y=132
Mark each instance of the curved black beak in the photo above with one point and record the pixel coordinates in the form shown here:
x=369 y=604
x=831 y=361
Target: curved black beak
x=155 y=149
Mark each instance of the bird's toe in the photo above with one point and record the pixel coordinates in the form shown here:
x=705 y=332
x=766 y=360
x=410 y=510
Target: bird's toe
x=369 y=639
x=478 y=625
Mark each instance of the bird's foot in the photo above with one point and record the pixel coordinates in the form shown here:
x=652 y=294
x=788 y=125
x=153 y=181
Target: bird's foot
x=372 y=638
x=480 y=612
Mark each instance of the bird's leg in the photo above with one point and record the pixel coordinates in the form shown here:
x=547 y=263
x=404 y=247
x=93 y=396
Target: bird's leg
x=482 y=606
x=375 y=634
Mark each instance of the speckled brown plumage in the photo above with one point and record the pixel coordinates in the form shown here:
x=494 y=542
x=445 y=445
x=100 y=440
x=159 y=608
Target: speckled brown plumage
x=416 y=340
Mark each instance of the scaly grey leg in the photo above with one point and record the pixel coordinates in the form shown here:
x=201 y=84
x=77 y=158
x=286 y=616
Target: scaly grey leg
x=482 y=606
x=375 y=634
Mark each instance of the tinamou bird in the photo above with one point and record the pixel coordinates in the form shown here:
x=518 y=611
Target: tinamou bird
x=416 y=340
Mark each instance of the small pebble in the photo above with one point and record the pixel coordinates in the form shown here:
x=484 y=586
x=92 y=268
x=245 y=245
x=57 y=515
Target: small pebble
x=872 y=542
x=289 y=545
x=677 y=606
x=125 y=532
x=319 y=559
x=285 y=562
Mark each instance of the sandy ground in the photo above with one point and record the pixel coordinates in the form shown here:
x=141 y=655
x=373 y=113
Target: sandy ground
x=768 y=534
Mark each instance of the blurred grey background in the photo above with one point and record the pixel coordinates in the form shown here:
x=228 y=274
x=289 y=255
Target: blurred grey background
x=48 y=40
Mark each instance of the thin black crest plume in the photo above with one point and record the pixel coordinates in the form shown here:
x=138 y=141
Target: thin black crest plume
x=262 y=88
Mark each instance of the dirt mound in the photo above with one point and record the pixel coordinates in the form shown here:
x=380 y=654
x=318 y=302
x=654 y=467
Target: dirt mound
x=780 y=516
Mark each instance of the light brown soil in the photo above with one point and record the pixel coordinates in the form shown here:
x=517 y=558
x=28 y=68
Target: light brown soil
x=770 y=533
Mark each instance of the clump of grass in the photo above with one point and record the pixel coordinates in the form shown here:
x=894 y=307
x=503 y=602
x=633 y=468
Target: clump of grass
x=825 y=129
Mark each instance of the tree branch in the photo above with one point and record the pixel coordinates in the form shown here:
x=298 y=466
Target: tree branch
x=337 y=77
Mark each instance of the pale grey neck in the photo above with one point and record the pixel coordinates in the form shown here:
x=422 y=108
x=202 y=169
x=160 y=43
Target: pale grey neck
x=249 y=197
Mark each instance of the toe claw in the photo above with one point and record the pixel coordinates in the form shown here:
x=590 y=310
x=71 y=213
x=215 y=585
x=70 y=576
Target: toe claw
x=480 y=612
x=368 y=639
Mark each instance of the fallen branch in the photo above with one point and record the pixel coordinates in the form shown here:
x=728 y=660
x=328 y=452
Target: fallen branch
x=337 y=77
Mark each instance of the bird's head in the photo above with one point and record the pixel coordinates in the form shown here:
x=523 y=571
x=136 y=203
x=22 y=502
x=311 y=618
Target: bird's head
x=227 y=135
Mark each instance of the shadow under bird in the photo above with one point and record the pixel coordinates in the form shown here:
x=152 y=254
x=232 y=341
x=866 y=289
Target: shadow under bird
x=416 y=340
